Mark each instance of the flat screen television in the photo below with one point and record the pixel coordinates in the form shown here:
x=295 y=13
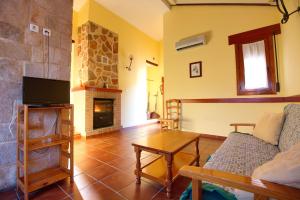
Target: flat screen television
x=40 y=91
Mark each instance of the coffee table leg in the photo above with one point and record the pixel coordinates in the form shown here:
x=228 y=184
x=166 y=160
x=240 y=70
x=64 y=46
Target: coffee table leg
x=138 y=165
x=169 y=159
x=197 y=153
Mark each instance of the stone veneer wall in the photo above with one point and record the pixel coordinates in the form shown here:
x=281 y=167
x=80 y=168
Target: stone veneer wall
x=25 y=53
x=98 y=55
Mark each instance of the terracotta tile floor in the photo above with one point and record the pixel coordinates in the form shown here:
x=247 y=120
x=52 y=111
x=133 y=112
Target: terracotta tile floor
x=104 y=168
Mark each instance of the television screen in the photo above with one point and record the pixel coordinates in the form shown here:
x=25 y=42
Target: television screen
x=40 y=91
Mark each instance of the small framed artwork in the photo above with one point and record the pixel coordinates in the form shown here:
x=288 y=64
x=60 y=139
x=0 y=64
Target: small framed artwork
x=195 y=69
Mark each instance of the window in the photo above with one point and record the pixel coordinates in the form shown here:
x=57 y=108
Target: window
x=255 y=64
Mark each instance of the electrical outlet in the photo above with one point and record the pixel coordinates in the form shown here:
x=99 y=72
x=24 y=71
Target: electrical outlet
x=34 y=28
x=46 y=32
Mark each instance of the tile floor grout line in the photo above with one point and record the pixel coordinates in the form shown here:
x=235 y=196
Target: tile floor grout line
x=100 y=181
x=158 y=192
x=115 y=191
x=105 y=183
x=109 y=152
x=108 y=165
x=113 y=154
x=68 y=195
x=89 y=184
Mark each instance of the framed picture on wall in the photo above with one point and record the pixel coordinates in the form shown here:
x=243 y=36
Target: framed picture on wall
x=196 y=69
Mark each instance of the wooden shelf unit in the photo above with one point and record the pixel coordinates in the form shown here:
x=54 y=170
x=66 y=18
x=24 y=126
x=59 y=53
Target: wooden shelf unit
x=62 y=138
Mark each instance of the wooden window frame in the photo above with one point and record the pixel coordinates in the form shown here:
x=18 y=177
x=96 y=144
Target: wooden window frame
x=266 y=34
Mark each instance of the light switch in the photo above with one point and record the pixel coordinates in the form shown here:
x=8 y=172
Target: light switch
x=34 y=28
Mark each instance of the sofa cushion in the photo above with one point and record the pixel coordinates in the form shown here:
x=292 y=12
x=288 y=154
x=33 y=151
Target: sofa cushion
x=241 y=154
x=290 y=133
x=283 y=169
x=268 y=127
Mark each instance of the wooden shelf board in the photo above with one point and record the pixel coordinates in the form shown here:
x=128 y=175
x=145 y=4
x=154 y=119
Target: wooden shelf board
x=66 y=122
x=44 y=178
x=40 y=144
x=49 y=108
x=155 y=159
x=157 y=170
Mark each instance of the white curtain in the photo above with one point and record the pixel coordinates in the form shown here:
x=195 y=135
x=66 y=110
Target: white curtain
x=255 y=65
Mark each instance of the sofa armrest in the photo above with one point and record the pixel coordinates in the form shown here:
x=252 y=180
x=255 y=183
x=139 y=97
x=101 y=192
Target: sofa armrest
x=236 y=125
x=261 y=188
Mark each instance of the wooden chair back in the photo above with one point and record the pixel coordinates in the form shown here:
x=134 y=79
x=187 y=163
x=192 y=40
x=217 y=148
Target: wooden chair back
x=173 y=115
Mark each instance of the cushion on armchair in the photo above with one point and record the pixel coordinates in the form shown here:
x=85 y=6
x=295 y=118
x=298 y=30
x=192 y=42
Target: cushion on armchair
x=290 y=133
x=283 y=169
x=241 y=154
x=268 y=127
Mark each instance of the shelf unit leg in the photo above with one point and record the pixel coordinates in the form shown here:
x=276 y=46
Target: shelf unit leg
x=59 y=125
x=26 y=120
x=71 y=128
x=17 y=150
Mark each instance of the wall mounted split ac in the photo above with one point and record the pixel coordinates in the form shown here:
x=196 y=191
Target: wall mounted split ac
x=190 y=42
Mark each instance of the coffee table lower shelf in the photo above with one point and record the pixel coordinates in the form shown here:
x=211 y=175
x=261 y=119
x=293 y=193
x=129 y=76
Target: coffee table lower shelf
x=157 y=169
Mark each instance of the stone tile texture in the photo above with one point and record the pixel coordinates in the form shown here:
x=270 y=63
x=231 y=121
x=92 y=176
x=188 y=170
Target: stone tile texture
x=26 y=53
x=97 y=49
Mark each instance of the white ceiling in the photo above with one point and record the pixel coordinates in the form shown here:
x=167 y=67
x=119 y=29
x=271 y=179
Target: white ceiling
x=147 y=15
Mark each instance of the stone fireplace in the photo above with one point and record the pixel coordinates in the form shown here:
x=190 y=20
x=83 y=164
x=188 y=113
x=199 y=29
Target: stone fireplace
x=97 y=50
x=84 y=98
x=96 y=97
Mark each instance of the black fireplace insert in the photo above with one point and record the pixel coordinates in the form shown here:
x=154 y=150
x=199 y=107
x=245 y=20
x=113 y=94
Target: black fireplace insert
x=103 y=113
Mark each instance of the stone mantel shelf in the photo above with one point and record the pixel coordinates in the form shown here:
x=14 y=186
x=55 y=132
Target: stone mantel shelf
x=93 y=88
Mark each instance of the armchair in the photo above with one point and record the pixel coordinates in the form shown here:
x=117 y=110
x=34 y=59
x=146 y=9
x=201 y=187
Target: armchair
x=232 y=165
x=262 y=189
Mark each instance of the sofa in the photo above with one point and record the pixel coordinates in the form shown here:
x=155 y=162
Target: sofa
x=233 y=164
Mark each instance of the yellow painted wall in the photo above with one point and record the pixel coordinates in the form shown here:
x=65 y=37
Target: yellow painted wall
x=131 y=42
x=290 y=50
x=83 y=14
x=154 y=75
x=218 y=60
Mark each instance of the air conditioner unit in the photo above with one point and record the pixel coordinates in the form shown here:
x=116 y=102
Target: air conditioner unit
x=190 y=42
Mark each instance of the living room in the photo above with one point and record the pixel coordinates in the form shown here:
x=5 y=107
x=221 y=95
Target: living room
x=117 y=66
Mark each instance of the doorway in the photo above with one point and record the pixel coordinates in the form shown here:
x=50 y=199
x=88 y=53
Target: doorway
x=154 y=99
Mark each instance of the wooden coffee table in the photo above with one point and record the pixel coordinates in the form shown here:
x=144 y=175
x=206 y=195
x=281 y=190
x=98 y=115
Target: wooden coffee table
x=168 y=144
